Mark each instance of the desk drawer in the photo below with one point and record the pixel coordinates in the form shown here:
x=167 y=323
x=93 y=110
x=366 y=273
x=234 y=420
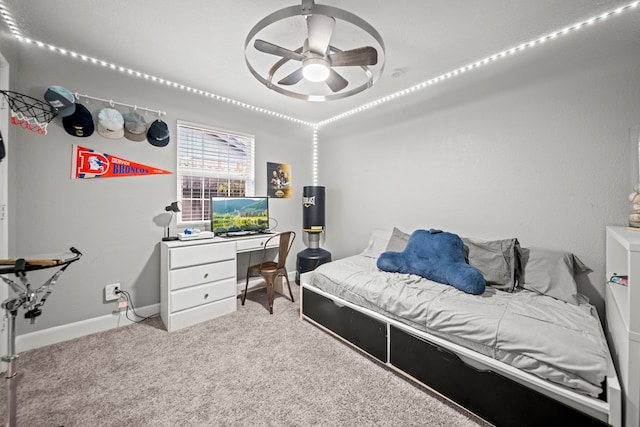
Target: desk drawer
x=201 y=313
x=201 y=254
x=200 y=274
x=202 y=294
x=253 y=244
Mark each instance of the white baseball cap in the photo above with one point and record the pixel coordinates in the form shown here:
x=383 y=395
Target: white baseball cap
x=110 y=123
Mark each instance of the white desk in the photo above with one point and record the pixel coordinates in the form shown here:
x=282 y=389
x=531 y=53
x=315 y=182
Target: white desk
x=201 y=279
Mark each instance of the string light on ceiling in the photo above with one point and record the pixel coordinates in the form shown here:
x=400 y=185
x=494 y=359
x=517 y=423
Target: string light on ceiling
x=11 y=23
x=9 y=20
x=484 y=61
x=315 y=153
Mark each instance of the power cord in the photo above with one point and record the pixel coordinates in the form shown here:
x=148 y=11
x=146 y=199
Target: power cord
x=272 y=219
x=127 y=297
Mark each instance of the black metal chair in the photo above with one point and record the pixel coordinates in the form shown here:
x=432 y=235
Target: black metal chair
x=270 y=270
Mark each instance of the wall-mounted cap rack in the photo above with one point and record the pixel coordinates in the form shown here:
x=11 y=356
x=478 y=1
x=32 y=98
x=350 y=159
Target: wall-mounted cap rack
x=113 y=103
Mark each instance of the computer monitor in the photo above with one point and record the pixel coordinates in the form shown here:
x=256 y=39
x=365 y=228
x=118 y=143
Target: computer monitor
x=239 y=215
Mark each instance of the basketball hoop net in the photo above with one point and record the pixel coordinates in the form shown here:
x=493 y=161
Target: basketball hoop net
x=27 y=112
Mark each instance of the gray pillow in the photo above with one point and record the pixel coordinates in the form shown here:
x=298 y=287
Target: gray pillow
x=552 y=273
x=377 y=243
x=497 y=260
x=398 y=241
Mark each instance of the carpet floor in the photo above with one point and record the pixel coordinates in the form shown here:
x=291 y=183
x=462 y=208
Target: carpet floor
x=248 y=368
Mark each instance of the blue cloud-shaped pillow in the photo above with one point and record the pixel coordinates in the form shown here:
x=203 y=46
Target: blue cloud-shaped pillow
x=437 y=256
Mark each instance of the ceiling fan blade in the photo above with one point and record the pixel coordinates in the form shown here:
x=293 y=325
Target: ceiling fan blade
x=335 y=81
x=273 y=49
x=360 y=56
x=320 y=29
x=292 y=78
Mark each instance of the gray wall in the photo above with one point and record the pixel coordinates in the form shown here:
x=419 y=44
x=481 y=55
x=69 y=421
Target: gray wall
x=117 y=222
x=536 y=146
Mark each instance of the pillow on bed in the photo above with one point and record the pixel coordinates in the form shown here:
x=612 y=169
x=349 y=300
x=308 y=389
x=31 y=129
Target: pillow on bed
x=497 y=260
x=377 y=243
x=552 y=273
x=398 y=240
x=437 y=256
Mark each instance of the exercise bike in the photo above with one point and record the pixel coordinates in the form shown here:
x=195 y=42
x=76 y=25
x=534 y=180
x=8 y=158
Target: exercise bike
x=32 y=300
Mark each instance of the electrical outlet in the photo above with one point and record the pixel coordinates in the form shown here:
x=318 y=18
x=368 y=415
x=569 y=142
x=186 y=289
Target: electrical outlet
x=110 y=292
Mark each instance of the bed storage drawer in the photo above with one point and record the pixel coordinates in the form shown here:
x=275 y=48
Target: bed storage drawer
x=487 y=394
x=359 y=329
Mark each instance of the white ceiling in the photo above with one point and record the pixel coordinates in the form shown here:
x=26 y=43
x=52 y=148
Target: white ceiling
x=200 y=43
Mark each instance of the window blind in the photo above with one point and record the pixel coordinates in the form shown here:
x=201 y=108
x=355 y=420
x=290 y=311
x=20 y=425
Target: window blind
x=211 y=162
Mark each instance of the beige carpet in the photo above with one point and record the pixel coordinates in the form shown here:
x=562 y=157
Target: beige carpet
x=247 y=369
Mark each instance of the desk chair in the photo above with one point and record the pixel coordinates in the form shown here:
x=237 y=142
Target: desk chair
x=270 y=270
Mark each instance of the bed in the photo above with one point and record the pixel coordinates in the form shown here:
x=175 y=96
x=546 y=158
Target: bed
x=530 y=350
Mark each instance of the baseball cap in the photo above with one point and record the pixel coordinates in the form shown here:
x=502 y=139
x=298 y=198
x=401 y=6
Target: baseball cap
x=61 y=100
x=110 y=123
x=80 y=123
x=158 y=133
x=135 y=127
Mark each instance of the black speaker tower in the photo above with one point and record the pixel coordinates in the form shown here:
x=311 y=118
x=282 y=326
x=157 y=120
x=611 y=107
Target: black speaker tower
x=313 y=224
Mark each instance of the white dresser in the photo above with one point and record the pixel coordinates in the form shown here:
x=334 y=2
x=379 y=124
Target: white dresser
x=623 y=315
x=199 y=279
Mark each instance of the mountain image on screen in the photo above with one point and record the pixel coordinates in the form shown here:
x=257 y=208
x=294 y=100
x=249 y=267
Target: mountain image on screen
x=239 y=214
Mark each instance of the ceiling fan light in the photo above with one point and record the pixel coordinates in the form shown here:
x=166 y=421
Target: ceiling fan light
x=315 y=70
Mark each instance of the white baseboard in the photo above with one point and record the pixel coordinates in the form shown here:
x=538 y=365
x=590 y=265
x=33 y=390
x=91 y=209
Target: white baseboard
x=70 y=331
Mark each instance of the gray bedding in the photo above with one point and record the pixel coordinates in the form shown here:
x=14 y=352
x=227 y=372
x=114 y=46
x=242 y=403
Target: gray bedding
x=559 y=342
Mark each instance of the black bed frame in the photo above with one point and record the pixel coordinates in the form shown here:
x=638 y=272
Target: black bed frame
x=489 y=395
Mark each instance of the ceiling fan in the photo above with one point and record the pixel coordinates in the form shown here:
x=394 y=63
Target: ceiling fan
x=318 y=58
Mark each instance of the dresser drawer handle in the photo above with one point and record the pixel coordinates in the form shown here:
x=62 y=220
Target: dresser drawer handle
x=206 y=275
x=206 y=296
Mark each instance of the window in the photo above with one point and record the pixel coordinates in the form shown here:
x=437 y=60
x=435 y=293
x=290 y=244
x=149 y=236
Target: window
x=211 y=162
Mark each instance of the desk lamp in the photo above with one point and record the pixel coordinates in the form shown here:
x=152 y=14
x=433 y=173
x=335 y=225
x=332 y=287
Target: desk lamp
x=173 y=207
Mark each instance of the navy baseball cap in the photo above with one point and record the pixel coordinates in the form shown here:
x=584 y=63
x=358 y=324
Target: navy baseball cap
x=61 y=100
x=158 y=133
x=80 y=123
